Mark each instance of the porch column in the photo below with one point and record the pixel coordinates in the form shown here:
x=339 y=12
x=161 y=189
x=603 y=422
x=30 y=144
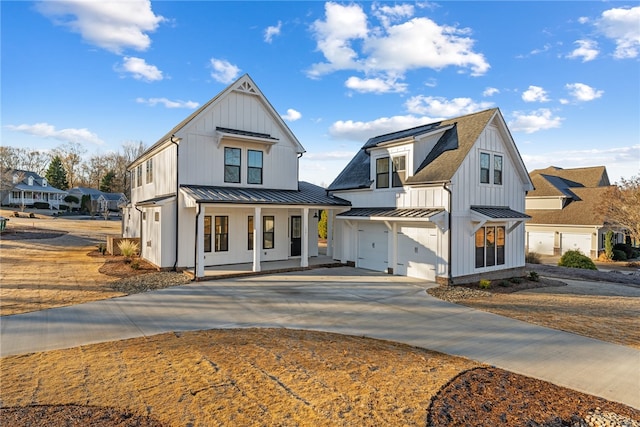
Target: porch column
x=200 y=243
x=304 y=255
x=257 y=238
x=330 y=215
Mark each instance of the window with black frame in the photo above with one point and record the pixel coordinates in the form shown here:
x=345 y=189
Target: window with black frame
x=382 y=172
x=254 y=167
x=268 y=232
x=222 y=233
x=232 y=165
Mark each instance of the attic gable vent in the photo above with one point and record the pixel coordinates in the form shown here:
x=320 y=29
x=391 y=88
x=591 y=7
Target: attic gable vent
x=247 y=88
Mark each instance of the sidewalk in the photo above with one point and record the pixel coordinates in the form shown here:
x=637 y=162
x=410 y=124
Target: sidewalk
x=341 y=300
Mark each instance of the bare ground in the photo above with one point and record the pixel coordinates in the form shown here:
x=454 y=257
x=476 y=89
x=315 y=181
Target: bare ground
x=267 y=376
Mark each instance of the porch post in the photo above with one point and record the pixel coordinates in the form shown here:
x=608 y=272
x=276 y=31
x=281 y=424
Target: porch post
x=304 y=255
x=200 y=243
x=330 y=216
x=257 y=238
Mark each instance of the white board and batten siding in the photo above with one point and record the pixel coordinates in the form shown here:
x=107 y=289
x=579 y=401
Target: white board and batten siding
x=202 y=155
x=468 y=191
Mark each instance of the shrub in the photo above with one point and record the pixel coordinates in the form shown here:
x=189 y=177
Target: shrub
x=41 y=205
x=532 y=258
x=576 y=259
x=135 y=265
x=71 y=199
x=516 y=280
x=627 y=249
x=485 y=284
x=504 y=283
x=608 y=245
x=128 y=248
x=533 y=276
x=619 y=255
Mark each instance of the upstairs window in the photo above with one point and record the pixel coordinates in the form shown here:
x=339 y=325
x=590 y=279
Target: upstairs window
x=44 y=182
x=139 y=174
x=382 y=172
x=30 y=180
x=254 y=167
x=149 y=171
x=399 y=171
x=232 y=165
x=497 y=170
x=485 y=161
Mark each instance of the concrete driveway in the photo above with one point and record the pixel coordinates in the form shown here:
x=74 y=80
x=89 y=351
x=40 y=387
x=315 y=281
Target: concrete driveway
x=343 y=300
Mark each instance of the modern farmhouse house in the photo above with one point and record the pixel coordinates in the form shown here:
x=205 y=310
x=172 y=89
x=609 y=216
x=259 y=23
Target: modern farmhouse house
x=442 y=202
x=564 y=210
x=222 y=188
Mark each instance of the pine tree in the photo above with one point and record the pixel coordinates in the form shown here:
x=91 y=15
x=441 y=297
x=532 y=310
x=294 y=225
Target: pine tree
x=56 y=175
x=107 y=182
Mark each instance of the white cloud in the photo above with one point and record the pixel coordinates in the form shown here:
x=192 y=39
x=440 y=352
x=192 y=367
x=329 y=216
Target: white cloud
x=292 y=115
x=587 y=50
x=621 y=25
x=535 y=94
x=111 y=25
x=348 y=42
x=223 y=70
x=442 y=107
x=490 y=91
x=362 y=131
x=582 y=92
x=535 y=121
x=375 y=85
x=140 y=70
x=168 y=103
x=45 y=130
x=272 y=31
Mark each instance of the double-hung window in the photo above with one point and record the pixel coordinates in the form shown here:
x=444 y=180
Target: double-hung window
x=207 y=233
x=489 y=246
x=139 y=175
x=485 y=163
x=254 y=167
x=399 y=171
x=232 y=165
x=485 y=169
x=222 y=233
x=268 y=232
x=382 y=172
x=149 y=171
x=497 y=170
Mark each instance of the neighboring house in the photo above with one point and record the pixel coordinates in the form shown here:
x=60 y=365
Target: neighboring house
x=442 y=202
x=565 y=211
x=222 y=188
x=100 y=201
x=29 y=188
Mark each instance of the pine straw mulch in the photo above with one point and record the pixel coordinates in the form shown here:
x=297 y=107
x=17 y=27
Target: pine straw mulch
x=277 y=377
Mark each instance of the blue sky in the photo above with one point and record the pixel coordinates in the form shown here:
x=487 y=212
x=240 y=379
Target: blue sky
x=566 y=75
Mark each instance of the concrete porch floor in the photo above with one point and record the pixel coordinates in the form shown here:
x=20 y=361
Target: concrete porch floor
x=266 y=267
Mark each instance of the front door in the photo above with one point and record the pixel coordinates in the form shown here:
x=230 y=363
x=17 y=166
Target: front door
x=296 y=235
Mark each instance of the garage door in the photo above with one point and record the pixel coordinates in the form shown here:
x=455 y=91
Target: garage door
x=417 y=252
x=372 y=246
x=541 y=243
x=571 y=242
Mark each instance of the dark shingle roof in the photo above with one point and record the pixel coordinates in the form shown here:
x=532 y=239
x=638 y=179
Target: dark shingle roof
x=567 y=178
x=307 y=194
x=439 y=165
x=583 y=210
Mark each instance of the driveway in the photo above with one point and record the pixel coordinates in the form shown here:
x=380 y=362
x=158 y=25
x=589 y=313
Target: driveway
x=343 y=300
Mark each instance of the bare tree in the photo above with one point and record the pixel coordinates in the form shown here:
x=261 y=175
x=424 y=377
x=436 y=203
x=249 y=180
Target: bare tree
x=71 y=155
x=622 y=207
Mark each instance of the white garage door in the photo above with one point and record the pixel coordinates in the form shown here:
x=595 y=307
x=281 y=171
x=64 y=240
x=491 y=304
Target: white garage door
x=582 y=242
x=372 y=246
x=417 y=252
x=541 y=243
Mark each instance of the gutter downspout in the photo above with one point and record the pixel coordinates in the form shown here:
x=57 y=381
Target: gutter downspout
x=195 y=247
x=449 y=269
x=177 y=198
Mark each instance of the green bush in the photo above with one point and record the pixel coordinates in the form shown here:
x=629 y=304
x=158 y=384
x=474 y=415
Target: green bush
x=627 y=249
x=608 y=245
x=533 y=276
x=516 y=280
x=532 y=258
x=619 y=255
x=504 y=283
x=41 y=205
x=576 y=259
x=485 y=284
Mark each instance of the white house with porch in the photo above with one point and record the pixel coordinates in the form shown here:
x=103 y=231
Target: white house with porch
x=222 y=188
x=29 y=188
x=444 y=201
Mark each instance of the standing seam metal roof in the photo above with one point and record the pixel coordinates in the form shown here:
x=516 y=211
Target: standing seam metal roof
x=392 y=212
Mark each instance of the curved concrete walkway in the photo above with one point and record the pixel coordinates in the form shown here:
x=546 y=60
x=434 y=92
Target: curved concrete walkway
x=342 y=300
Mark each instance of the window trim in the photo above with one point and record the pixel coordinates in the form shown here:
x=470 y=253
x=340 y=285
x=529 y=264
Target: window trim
x=486 y=170
x=382 y=161
x=149 y=172
x=250 y=233
x=496 y=170
x=221 y=230
x=237 y=167
x=207 y=234
x=266 y=232
x=250 y=168
x=397 y=180
x=499 y=250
